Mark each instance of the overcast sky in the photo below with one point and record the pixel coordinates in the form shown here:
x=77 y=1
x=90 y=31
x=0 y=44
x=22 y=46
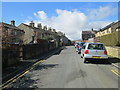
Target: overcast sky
x=68 y=17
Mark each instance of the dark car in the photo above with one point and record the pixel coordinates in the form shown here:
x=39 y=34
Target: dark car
x=79 y=47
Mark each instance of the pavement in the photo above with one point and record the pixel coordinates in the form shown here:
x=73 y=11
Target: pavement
x=66 y=69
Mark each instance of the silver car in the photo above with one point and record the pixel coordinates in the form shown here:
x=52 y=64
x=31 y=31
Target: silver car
x=93 y=51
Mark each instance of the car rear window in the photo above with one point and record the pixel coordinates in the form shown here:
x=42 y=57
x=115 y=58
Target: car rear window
x=96 y=46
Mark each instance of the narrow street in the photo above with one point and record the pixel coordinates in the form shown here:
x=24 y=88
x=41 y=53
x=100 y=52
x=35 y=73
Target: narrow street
x=66 y=69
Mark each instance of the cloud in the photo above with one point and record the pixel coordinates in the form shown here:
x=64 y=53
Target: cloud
x=41 y=14
x=73 y=22
x=101 y=12
x=97 y=24
x=69 y=22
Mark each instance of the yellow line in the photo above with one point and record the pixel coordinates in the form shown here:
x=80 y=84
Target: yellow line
x=13 y=80
x=115 y=65
x=116 y=72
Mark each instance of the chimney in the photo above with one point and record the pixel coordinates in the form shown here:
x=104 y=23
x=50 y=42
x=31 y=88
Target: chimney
x=54 y=30
x=32 y=24
x=45 y=27
x=50 y=29
x=13 y=22
x=92 y=30
x=39 y=26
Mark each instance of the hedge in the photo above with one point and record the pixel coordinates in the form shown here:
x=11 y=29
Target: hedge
x=112 y=39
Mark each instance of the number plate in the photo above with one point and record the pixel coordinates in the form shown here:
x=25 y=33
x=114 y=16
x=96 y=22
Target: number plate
x=96 y=56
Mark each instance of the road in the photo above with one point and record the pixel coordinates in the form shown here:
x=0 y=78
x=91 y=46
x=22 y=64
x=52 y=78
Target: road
x=66 y=69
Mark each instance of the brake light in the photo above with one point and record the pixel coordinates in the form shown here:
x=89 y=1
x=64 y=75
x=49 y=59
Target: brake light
x=79 y=47
x=105 y=52
x=86 y=52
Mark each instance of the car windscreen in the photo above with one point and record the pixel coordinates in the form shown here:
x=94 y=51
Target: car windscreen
x=96 y=46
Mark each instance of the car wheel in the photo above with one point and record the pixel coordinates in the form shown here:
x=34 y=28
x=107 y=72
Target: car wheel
x=81 y=57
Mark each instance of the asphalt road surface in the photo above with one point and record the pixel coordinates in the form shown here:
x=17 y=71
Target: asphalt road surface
x=66 y=69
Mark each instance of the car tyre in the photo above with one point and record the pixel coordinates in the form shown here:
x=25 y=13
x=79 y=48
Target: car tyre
x=81 y=57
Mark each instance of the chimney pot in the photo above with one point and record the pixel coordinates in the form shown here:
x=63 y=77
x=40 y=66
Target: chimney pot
x=13 y=22
x=32 y=24
x=39 y=26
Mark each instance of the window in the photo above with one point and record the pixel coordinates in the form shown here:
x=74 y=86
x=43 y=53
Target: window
x=96 y=46
x=42 y=35
x=84 y=46
x=14 y=32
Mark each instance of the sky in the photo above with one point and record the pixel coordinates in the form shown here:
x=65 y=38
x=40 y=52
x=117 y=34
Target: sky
x=69 y=17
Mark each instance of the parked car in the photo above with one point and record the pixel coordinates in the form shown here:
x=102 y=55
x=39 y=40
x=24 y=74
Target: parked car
x=79 y=47
x=76 y=44
x=93 y=51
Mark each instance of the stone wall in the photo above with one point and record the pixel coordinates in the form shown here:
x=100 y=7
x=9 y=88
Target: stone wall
x=112 y=39
x=10 y=55
x=33 y=50
x=113 y=51
x=14 y=53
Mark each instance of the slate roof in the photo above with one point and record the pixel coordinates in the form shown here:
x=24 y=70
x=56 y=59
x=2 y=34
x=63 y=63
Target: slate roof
x=30 y=26
x=35 y=28
x=87 y=32
x=108 y=26
x=10 y=26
